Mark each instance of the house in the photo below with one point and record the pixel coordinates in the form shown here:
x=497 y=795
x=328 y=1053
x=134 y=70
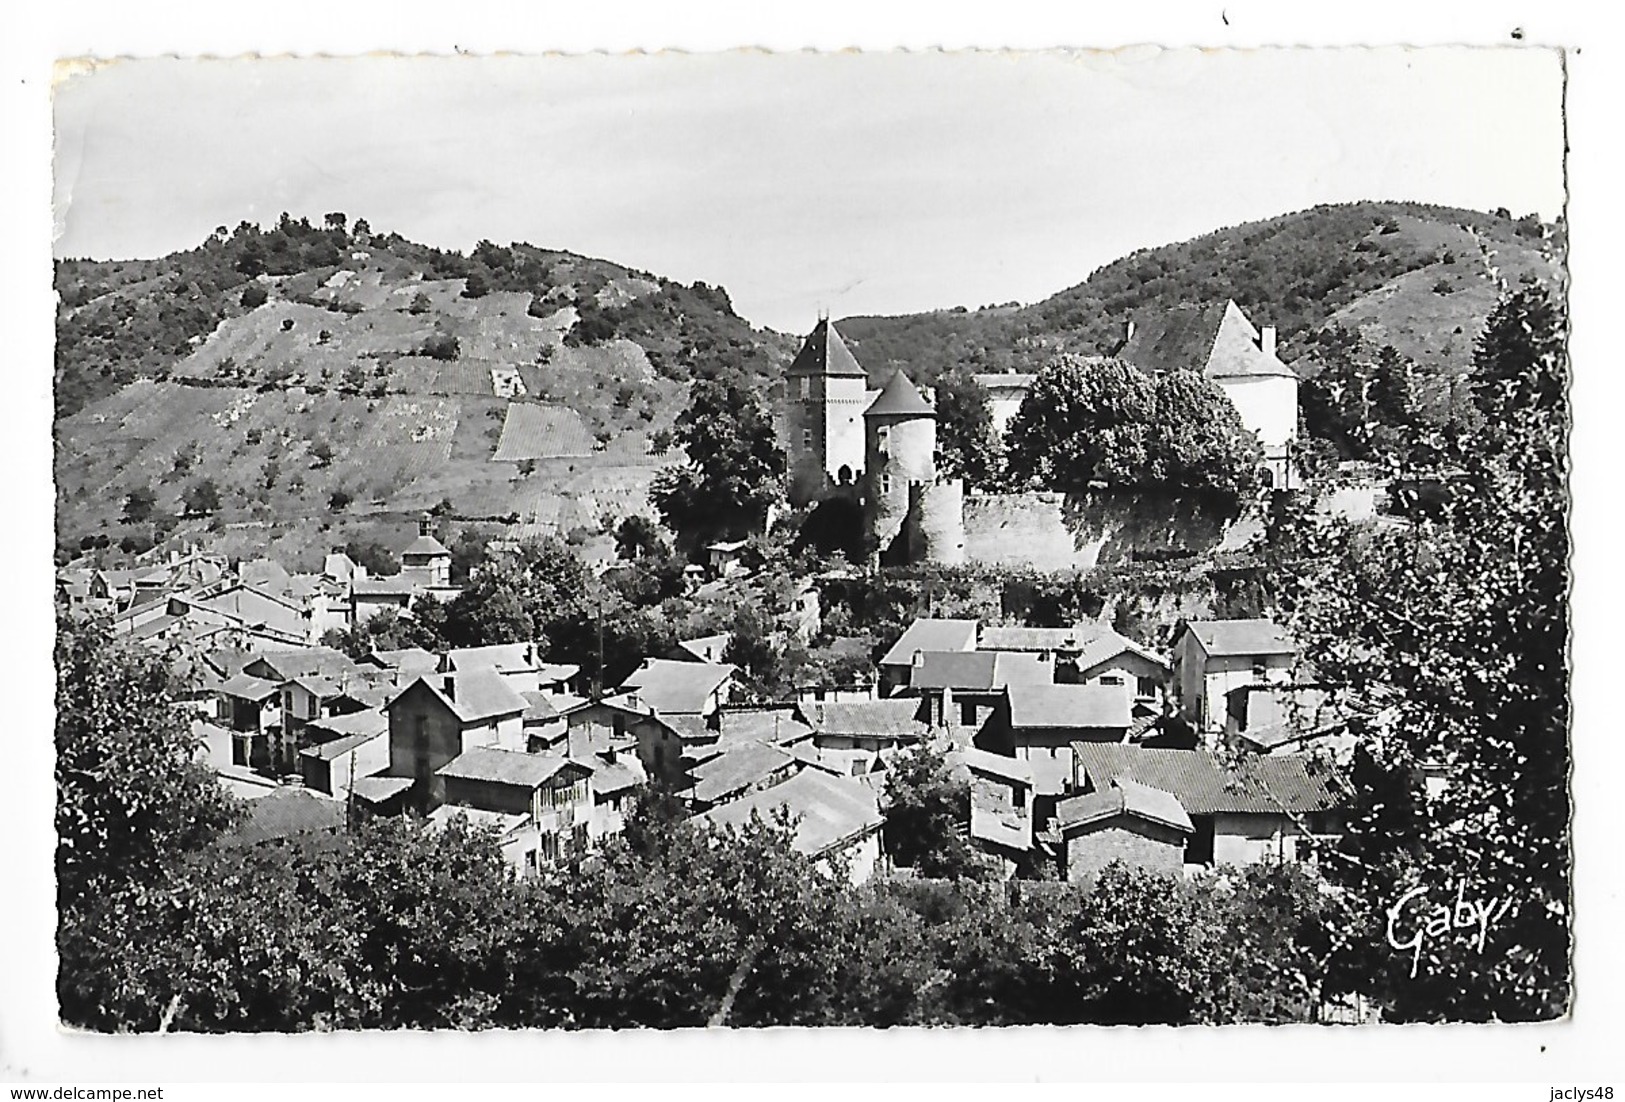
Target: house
x=616 y=778
x=1001 y=807
x=518 y=663
x=1005 y=393
x=964 y=687
x=1143 y=827
x=543 y=724
x=1287 y=719
x=1261 y=809
x=310 y=697
x=738 y=770
x=722 y=558
x=371 y=595
x=249 y=706
x=340 y=750
x=1221 y=342
x=865 y=765
x=283 y=665
x=262 y=615
x=436 y=719
x=897 y=664
x=426 y=561
x=1087 y=653
x=1212 y=657
x=835 y=818
x=660 y=740
x=1038 y=725
x=679 y=688
x=874 y=725
x=551 y=791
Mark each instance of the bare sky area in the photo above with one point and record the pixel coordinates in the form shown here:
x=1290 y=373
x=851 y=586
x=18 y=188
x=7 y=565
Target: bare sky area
x=856 y=183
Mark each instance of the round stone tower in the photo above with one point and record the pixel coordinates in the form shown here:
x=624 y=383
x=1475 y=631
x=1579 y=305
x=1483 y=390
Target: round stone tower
x=900 y=442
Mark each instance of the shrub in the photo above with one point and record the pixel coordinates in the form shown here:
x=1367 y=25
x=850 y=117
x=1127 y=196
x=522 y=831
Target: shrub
x=253 y=296
x=441 y=346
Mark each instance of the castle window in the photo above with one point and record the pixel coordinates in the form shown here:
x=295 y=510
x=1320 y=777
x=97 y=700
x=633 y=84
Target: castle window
x=806 y=388
x=806 y=437
x=885 y=483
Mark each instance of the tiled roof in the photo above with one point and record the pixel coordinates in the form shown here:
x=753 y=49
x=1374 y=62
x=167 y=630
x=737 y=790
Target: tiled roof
x=825 y=353
x=376 y=790
x=762 y=724
x=324 y=661
x=977 y=670
x=246 y=687
x=736 y=769
x=1241 y=637
x=896 y=717
x=842 y=763
x=899 y=398
x=1004 y=827
x=1002 y=638
x=931 y=635
x=1292 y=782
x=394 y=585
x=497 y=766
x=1080 y=706
x=367 y=722
x=828 y=810
x=670 y=686
x=1107 y=644
x=1124 y=798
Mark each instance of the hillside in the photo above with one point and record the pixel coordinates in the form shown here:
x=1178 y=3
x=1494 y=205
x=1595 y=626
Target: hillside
x=327 y=382
x=1421 y=278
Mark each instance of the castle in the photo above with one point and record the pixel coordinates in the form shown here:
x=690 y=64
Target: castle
x=877 y=448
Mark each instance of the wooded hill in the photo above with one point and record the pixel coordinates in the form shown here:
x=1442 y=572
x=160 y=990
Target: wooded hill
x=1420 y=278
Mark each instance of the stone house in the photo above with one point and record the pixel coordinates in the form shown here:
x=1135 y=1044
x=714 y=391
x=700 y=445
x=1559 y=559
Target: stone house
x=436 y=719
x=1212 y=657
x=1129 y=822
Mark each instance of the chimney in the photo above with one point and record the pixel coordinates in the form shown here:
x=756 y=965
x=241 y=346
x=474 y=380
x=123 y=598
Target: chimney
x=449 y=684
x=1266 y=342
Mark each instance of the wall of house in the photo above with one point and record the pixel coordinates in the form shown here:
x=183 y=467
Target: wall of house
x=1132 y=668
x=658 y=748
x=1136 y=842
x=1268 y=405
x=1246 y=839
x=1220 y=675
x=335 y=776
x=423 y=734
x=862 y=857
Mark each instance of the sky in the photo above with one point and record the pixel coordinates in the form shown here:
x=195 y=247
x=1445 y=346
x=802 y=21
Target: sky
x=853 y=183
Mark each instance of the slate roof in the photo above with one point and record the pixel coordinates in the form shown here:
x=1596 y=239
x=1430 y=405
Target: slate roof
x=736 y=769
x=667 y=685
x=1241 y=637
x=829 y=810
x=895 y=717
x=1264 y=785
x=1003 y=826
x=477 y=695
x=407 y=660
x=500 y=656
x=900 y=398
x=1094 y=706
x=997 y=765
x=393 y=585
x=1123 y=798
x=706 y=647
x=323 y=661
x=495 y=765
x=555 y=673
x=931 y=635
x=337 y=748
x=538 y=707
x=426 y=546
x=612 y=777
x=368 y=722
x=503 y=821
x=977 y=670
x=1179 y=339
x=289 y=812
x=842 y=763
x=825 y=353
x=1002 y=638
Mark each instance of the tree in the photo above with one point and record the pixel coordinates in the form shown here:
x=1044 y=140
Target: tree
x=253 y=296
x=130 y=792
x=928 y=816
x=203 y=498
x=475 y=286
x=1451 y=637
x=637 y=536
x=1094 y=421
x=734 y=470
x=966 y=441
x=378 y=559
x=139 y=504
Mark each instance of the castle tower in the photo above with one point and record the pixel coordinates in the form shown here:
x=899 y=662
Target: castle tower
x=826 y=391
x=900 y=442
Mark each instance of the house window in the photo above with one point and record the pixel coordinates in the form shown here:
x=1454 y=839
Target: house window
x=1147 y=686
x=1019 y=796
x=882 y=435
x=620 y=726
x=967 y=712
